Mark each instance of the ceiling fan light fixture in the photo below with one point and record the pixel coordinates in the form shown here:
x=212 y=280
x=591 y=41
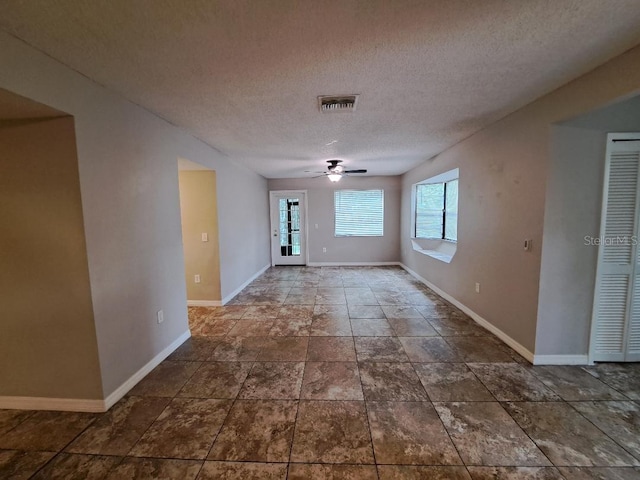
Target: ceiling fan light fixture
x=334 y=177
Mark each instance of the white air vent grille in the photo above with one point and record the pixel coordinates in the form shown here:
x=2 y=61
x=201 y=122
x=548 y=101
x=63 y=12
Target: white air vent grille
x=337 y=103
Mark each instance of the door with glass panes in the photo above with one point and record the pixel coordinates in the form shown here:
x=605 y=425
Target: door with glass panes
x=287 y=228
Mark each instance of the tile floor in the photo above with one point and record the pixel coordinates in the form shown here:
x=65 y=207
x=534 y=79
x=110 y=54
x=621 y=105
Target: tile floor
x=342 y=373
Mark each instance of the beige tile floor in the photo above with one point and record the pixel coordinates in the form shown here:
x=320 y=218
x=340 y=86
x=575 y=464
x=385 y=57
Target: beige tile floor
x=342 y=373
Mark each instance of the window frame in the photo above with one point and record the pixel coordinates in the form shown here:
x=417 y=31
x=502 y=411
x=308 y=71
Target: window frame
x=444 y=179
x=335 y=212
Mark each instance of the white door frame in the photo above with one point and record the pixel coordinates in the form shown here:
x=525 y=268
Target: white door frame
x=305 y=236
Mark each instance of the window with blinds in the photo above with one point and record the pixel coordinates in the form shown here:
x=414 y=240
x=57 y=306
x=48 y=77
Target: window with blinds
x=436 y=210
x=359 y=213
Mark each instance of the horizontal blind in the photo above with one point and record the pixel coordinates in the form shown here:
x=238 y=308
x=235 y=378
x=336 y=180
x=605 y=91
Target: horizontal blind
x=429 y=206
x=359 y=213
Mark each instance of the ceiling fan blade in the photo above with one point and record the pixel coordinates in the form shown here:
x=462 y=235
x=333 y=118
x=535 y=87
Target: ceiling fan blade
x=355 y=171
x=318 y=176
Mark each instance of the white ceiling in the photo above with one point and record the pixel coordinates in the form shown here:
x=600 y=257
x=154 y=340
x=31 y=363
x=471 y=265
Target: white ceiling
x=244 y=75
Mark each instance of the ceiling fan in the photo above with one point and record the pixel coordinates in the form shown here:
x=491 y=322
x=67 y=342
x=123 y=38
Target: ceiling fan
x=335 y=171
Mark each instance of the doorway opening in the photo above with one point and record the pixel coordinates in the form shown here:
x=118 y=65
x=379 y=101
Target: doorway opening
x=569 y=305
x=48 y=335
x=199 y=217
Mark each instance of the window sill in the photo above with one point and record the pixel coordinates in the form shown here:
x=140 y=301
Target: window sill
x=442 y=250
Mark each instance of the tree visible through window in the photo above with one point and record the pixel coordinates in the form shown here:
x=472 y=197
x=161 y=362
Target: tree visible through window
x=359 y=213
x=437 y=210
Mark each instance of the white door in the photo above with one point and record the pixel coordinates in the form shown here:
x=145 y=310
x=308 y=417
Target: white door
x=288 y=236
x=615 y=329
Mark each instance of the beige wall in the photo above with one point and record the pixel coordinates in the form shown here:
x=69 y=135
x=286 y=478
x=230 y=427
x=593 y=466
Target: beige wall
x=320 y=209
x=127 y=161
x=199 y=213
x=48 y=345
x=503 y=178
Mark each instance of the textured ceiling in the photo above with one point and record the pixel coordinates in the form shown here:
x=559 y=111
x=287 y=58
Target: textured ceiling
x=244 y=75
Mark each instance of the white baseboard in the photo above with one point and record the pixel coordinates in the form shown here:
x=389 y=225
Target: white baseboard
x=351 y=264
x=87 y=405
x=204 y=303
x=477 y=318
x=58 y=404
x=561 y=360
x=229 y=297
x=131 y=382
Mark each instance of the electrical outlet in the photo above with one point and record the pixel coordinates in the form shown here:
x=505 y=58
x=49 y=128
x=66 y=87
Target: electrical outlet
x=196 y=278
x=205 y=237
x=477 y=287
x=324 y=249
x=160 y=316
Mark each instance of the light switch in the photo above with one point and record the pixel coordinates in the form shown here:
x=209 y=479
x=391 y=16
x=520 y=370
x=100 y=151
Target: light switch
x=205 y=237
x=196 y=278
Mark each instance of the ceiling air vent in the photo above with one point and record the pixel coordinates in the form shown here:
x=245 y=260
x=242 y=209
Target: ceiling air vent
x=337 y=103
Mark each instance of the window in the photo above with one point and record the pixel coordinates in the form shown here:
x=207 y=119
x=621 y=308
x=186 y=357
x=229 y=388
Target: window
x=289 y=226
x=436 y=208
x=359 y=213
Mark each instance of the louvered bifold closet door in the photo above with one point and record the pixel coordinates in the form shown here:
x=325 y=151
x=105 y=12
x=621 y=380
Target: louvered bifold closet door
x=631 y=151
x=616 y=284
x=632 y=353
